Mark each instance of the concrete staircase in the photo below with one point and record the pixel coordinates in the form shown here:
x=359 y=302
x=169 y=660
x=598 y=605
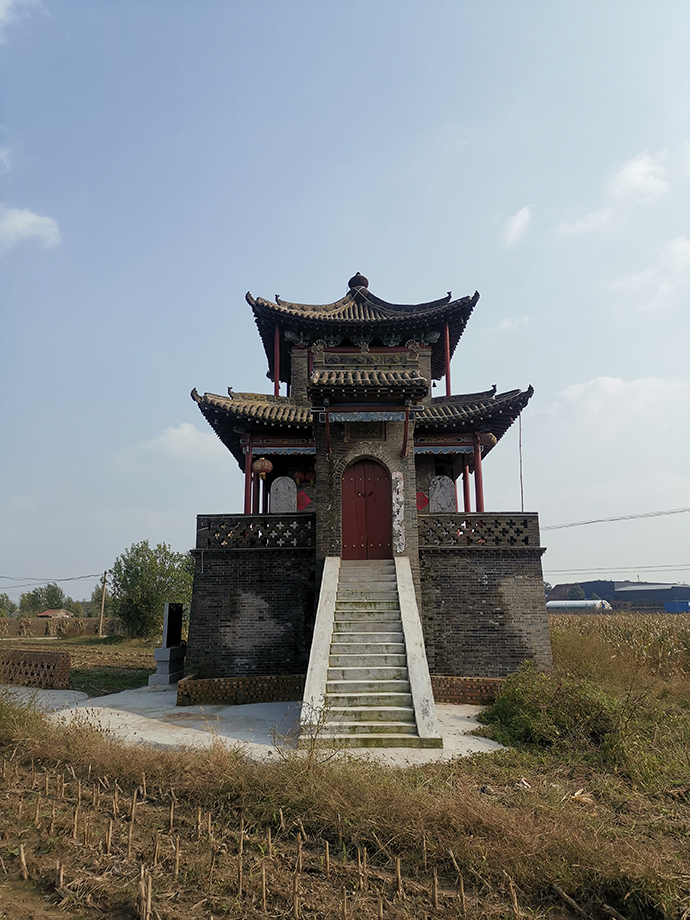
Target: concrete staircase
x=368 y=699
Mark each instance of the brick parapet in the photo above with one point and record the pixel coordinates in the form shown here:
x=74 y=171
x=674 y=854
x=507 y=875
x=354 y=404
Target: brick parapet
x=35 y=668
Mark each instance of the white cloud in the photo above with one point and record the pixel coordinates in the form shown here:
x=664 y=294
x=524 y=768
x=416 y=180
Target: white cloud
x=607 y=406
x=588 y=224
x=8 y=13
x=184 y=443
x=660 y=284
x=4 y=159
x=509 y=325
x=641 y=178
x=18 y=224
x=639 y=181
x=516 y=225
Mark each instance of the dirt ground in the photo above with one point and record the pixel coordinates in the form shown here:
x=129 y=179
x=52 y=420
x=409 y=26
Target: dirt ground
x=85 y=652
x=86 y=844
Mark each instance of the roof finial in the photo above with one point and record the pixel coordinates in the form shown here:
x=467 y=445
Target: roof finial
x=358 y=281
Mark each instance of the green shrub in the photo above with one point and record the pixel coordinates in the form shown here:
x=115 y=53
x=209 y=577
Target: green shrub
x=549 y=710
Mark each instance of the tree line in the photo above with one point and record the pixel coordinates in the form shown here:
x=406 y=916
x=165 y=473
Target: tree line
x=140 y=582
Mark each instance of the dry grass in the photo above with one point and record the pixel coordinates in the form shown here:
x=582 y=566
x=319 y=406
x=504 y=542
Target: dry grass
x=516 y=827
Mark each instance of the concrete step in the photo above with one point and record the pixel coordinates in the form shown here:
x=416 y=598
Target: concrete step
x=371 y=702
x=367 y=616
x=367 y=648
x=359 y=591
x=368 y=625
x=335 y=687
x=355 y=633
x=367 y=564
x=387 y=740
x=371 y=672
x=370 y=728
x=367 y=661
x=368 y=636
x=365 y=605
x=364 y=577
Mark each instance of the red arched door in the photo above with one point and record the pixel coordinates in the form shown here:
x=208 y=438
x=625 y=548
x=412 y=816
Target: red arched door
x=367 y=511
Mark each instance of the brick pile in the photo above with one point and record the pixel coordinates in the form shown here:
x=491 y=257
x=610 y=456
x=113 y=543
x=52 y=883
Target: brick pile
x=27 y=668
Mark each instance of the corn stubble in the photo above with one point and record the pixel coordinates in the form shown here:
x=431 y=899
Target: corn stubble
x=571 y=821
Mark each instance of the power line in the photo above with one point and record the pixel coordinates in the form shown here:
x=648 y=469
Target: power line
x=623 y=517
x=621 y=568
x=51 y=580
x=31 y=582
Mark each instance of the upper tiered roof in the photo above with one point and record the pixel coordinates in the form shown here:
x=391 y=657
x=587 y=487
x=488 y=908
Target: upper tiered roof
x=360 y=317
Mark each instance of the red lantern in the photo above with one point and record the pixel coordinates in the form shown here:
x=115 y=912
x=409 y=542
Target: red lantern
x=262 y=466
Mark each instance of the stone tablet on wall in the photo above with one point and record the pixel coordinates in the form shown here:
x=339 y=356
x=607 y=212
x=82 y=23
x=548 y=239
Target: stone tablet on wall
x=283 y=496
x=442 y=494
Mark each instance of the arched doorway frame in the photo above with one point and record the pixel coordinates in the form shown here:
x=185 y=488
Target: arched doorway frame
x=370 y=452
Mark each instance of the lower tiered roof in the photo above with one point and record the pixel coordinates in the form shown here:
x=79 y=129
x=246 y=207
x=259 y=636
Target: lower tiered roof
x=237 y=415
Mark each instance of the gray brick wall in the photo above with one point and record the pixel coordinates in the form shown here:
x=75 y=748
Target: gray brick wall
x=252 y=612
x=483 y=610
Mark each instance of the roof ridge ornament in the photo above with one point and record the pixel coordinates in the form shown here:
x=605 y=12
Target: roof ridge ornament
x=358 y=281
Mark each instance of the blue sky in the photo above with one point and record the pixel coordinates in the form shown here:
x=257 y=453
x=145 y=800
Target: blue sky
x=159 y=159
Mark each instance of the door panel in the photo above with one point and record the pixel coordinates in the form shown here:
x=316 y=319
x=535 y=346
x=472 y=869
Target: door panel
x=366 y=512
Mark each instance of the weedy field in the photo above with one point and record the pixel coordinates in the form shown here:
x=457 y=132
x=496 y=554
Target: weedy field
x=586 y=814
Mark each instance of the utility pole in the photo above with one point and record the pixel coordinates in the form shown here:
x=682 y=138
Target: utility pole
x=100 y=622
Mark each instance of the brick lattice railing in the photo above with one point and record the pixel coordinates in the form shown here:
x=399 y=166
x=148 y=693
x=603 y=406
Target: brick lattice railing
x=230 y=691
x=476 y=529
x=256 y=531
x=478 y=691
x=28 y=668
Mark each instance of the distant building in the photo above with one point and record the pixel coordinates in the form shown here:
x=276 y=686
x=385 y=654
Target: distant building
x=60 y=614
x=634 y=593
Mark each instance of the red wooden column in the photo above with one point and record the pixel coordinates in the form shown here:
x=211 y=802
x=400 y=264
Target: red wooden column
x=248 y=476
x=478 y=480
x=256 y=483
x=276 y=361
x=447 y=350
x=467 y=504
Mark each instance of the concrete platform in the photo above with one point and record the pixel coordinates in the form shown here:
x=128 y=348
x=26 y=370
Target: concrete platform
x=149 y=716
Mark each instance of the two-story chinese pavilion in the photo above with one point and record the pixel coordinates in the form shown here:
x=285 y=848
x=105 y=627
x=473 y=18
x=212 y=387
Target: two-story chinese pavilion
x=365 y=562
